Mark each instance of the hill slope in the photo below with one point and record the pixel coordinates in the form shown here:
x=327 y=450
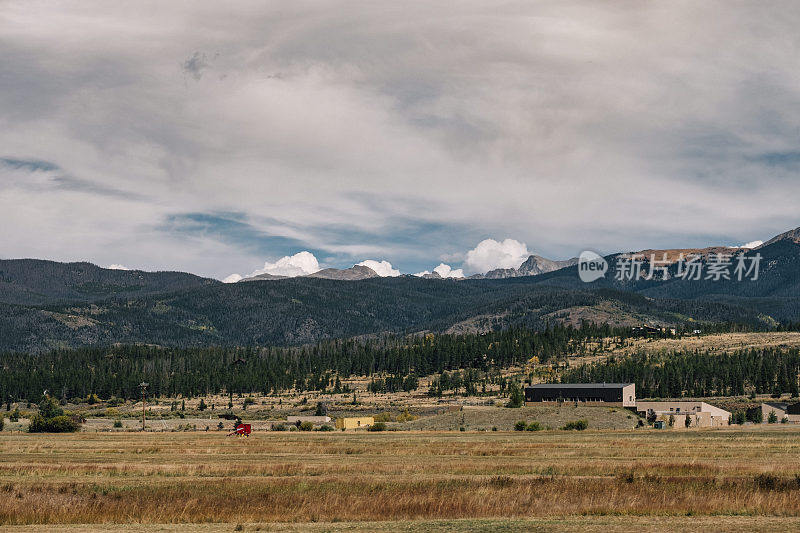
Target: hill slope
x=36 y=282
x=46 y=305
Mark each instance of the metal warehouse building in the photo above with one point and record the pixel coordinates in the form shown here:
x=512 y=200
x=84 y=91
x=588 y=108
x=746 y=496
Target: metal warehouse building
x=623 y=394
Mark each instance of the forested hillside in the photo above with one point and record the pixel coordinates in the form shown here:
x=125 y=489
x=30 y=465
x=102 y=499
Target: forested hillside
x=36 y=282
x=118 y=370
x=299 y=311
x=46 y=305
x=761 y=371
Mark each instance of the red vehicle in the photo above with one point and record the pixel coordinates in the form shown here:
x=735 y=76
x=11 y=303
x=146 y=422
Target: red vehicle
x=241 y=430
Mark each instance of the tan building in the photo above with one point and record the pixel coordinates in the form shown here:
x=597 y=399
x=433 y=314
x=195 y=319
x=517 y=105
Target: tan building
x=701 y=414
x=782 y=410
x=354 y=422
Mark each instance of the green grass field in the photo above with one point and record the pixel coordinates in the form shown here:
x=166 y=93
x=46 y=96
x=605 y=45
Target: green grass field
x=747 y=479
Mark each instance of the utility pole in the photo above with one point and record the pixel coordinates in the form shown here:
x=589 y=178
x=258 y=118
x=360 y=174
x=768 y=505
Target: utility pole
x=143 y=386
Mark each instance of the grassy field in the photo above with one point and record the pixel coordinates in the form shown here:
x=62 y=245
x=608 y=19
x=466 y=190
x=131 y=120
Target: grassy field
x=743 y=479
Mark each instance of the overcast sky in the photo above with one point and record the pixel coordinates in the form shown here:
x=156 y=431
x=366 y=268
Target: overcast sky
x=216 y=139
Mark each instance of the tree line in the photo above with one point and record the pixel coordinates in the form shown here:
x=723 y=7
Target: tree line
x=395 y=361
x=698 y=374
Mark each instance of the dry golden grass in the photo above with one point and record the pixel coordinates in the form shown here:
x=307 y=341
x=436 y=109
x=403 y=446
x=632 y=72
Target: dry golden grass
x=159 y=478
x=580 y=524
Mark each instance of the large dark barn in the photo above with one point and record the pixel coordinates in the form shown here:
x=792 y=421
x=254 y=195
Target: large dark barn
x=616 y=393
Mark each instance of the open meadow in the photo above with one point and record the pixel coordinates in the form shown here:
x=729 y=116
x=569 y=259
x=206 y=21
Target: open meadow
x=739 y=480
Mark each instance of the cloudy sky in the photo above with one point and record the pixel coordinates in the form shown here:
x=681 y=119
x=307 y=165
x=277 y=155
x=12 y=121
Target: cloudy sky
x=217 y=139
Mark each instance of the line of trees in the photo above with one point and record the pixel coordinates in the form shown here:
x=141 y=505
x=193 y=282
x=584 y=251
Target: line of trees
x=697 y=374
x=461 y=362
x=395 y=361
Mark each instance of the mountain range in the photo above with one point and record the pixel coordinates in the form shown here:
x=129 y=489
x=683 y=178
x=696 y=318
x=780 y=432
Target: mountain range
x=48 y=305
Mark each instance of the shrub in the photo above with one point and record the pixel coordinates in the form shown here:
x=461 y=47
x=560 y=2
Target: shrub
x=14 y=416
x=117 y=423
x=405 y=416
x=494 y=428
x=377 y=426
x=248 y=401
x=56 y=424
x=306 y=426
x=578 y=425
x=534 y=426
x=202 y=405
x=325 y=427
x=278 y=427
x=111 y=413
x=92 y=399
x=520 y=425
x=383 y=417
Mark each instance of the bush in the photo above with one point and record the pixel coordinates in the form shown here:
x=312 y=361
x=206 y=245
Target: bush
x=377 y=426
x=578 y=425
x=118 y=423
x=383 y=417
x=520 y=425
x=325 y=428
x=14 y=416
x=248 y=401
x=534 y=426
x=405 y=416
x=306 y=426
x=57 y=424
x=202 y=405
x=278 y=427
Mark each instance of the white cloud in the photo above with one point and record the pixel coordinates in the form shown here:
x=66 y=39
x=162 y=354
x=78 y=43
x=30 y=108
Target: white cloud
x=382 y=268
x=233 y=278
x=118 y=267
x=423 y=273
x=447 y=272
x=299 y=264
x=752 y=244
x=748 y=246
x=491 y=254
